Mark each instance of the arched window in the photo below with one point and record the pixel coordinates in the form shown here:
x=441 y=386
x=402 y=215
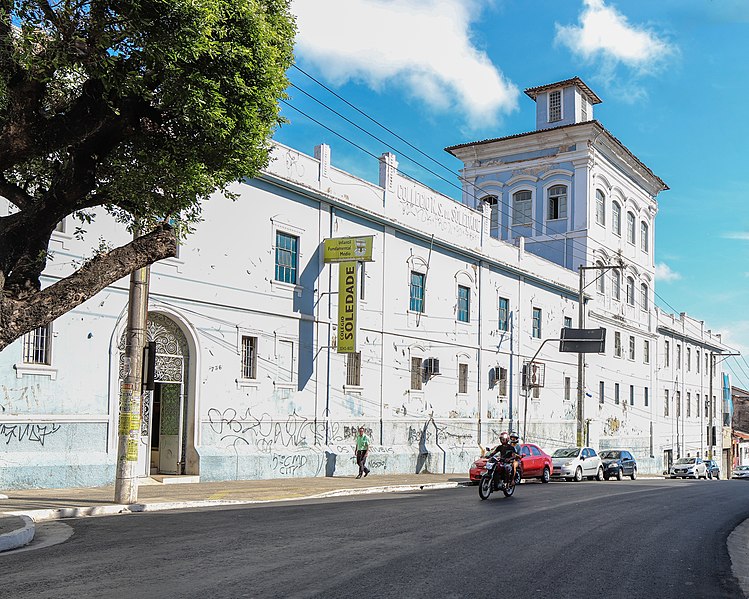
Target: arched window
x=521 y=208
x=494 y=218
x=630 y=291
x=557 y=203
x=644 y=295
x=631 y=227
x=644 y=237
x=600 y=208
x=600 y=274
x=616 y=284
x=616 y=218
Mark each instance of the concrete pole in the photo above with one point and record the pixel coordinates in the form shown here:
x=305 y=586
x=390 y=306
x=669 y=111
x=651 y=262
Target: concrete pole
x=128 y=439
x=580 y=361
x=710 y=425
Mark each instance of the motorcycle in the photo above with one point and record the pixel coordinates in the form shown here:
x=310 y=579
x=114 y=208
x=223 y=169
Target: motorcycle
x=495 y=479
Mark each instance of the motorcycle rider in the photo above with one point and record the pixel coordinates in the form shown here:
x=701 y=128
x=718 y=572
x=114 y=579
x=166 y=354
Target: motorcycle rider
x=515 y=442
x=506 y=452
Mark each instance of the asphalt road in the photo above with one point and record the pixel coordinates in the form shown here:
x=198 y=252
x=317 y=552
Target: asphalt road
x=644 y=538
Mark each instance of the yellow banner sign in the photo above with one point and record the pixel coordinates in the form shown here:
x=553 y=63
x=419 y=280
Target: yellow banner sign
x=345 y=249
x=347 y=307
x=131 y=455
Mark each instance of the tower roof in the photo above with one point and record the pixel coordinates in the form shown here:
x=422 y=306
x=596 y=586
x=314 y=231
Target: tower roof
x=533 y=92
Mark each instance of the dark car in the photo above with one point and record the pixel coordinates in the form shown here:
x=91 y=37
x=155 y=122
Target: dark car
x=618 y=463
x=713 y=470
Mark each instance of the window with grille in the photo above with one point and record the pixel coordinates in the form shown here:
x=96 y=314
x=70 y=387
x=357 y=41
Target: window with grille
x=464 y=304
x=249 y=357
x=353 y=369
x=601 y=391
x=521 y=208
x=616 y=218
x=616 y=393
x=37 y=346
x=287 y=257
x=504 y=314
x=617 y=344
x=631 y=348
x=462 y=378
x=557 y=205
x=667 y=353
x=555 y=106
x=644 y=237
x=646 y=351
x=537 y=323
x=631 y=228
x=416 y=375
x=600 y=208
x=666 y=401
x=416 y=303
x=503 y=382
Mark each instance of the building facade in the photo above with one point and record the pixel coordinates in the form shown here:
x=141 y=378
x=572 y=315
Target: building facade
x=458 y=296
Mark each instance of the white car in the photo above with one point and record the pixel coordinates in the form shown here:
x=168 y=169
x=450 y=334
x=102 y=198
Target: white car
x=688 y=468
x=740 y=472
x=572 y=463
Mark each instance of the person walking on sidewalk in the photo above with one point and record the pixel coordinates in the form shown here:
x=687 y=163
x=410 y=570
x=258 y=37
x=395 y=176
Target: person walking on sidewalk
x=362 y=450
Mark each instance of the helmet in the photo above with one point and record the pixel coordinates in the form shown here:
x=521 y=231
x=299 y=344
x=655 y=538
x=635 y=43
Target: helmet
x=514 y=436
x=504 y=438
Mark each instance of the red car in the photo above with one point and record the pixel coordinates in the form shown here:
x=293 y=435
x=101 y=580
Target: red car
x=535 y=463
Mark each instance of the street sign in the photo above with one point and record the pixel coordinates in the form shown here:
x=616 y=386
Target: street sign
x=347 y=249
x=582 y=341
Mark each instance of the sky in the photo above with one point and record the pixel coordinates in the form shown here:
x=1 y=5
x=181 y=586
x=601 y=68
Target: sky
x=672 y=74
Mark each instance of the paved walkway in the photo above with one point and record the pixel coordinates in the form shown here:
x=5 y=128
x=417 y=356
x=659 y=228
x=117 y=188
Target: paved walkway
x=22 y=508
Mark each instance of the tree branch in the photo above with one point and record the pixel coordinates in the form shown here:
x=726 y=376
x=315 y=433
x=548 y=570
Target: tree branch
x=11 y=191
x=21 y=316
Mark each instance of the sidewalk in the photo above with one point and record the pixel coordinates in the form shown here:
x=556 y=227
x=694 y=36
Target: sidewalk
x=24 y=507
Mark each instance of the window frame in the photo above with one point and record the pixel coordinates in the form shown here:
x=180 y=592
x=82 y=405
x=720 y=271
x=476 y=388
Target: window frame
x=463 y=312
x=631 y=234
x=495 y=222
x=506 y=309
x=558 y=201
x=616 y=218
x=600 y=207
x=644 y=297
x=630 y=291
x=551 y=105
x=278 y=252
x=645 y=236
x=353 y=370
x=617 y=344
x=516 y=213
x=616 y=284
x=536 y=323
x=417 y=374
x=463 y=373
x=253 y=354
x=417 y=304
x=632 y=349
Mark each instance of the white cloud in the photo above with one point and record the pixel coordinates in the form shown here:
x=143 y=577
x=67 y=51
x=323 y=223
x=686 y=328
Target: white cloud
x=605 y=33
x=422 y=45
x=664 y=273
x=739 y=236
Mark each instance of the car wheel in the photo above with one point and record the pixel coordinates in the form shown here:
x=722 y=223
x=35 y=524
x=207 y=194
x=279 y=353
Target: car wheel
x=619 y=474
x=546 y=475
x=606 y=477
x=578 y=474
x=717 y=476
x=634 y=474
x=599 y=474
x=709 y=475
x=672 y=476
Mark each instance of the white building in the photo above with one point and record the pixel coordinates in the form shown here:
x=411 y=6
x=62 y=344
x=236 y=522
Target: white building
x=458 y=296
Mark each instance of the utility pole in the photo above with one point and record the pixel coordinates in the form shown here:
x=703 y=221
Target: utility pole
x=126 y=483
x=581 y=427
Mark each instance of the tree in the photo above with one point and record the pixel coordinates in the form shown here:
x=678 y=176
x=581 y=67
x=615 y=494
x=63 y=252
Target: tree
x=142 y=108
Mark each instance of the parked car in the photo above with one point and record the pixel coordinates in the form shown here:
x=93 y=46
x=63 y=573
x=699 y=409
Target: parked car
x=535 y=463
x=572 y=463
x=688 y=468
x=713 y=470
x=741 y=472
x=618 y=463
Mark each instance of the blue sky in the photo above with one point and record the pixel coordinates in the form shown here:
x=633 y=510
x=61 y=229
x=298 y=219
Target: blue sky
x=672 y=74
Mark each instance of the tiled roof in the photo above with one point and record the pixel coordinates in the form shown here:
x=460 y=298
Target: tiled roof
x=533 y=92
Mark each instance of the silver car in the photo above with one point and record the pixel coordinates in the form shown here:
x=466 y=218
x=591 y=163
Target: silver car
x=572 y=463
x=740 y=472
x=688 y=468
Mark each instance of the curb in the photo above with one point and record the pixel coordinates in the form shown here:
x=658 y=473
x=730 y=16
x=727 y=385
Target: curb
x=20 y=537
x=116 y=509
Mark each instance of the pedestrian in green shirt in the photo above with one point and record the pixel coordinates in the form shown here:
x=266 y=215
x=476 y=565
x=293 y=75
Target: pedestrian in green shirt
x=362 y=450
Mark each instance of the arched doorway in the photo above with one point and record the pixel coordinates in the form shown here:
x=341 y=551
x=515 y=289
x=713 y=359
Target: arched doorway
x=165 y=411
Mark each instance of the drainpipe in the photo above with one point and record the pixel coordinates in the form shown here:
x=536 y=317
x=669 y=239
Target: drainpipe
x=330 y=337
x=480 y=345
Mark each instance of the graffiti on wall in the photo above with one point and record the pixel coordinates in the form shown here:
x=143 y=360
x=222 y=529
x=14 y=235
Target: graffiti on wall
x=32 y=433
